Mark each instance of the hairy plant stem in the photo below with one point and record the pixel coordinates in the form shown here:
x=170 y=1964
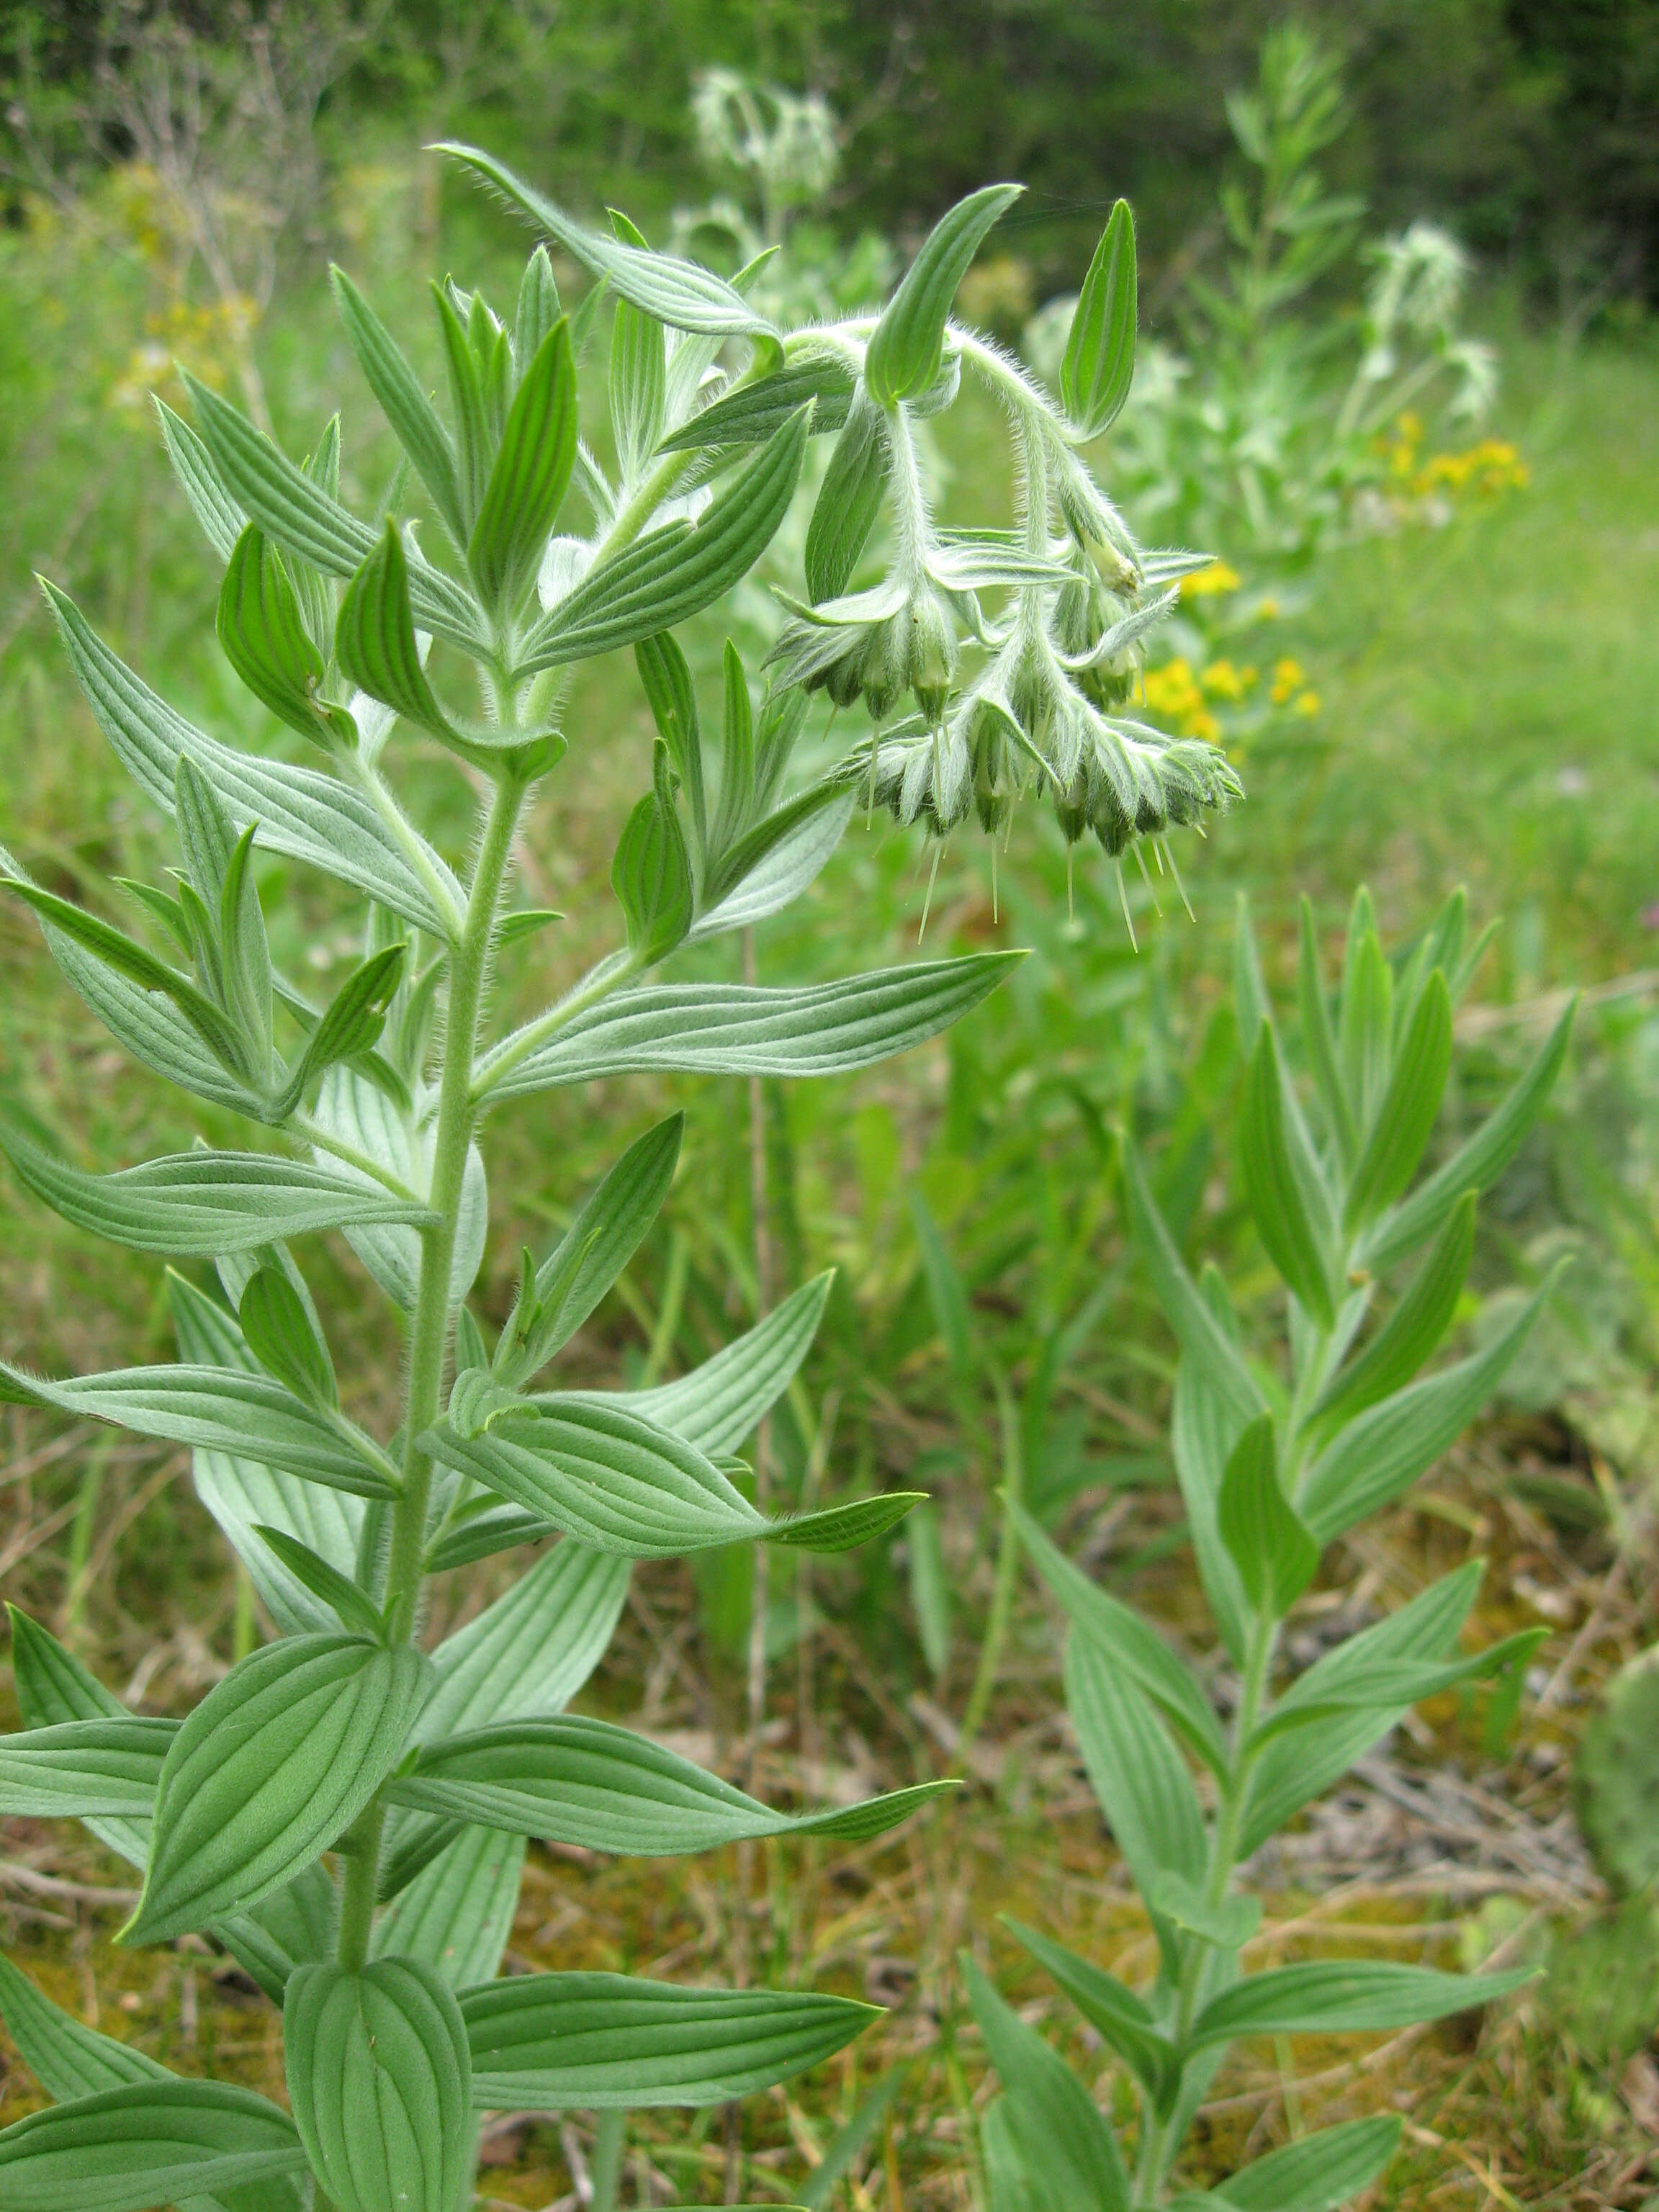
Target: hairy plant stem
x=429 y=1334
x=1159 y=2142
x=600 y=980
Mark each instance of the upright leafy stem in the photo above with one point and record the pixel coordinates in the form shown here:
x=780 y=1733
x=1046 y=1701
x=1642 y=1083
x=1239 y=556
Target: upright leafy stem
x=346 y=1811
x=1270 y=1470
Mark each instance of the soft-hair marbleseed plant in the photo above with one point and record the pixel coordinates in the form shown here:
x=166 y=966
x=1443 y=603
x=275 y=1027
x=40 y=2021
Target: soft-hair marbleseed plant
x=1038 y=712
x=346 y=1812
x=1275 y=1460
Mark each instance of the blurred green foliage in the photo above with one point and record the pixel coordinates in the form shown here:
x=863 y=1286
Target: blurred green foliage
x=1531 y=124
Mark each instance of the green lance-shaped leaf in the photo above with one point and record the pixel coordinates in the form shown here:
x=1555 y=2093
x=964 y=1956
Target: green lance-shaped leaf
x=68 y=2058
x=1114 y=2009
x=638 y=376
x=550 y=2042
x=379 y=2082
x=1057 y=2129
x=1125 y=1641
x=150 y=2143
x=1142 y=1782
x=374 y=636
x=772 y=864
x=52 y=1687
x=844 y=1527
x=1274 y=1553
x=530 y=474
x=355 y=1610
x=467 y=399
x=904 y=356
x=223 y=522
x=1317 y=2173
x=579 y=1781
x=737 y=798
x=1226 y=1923
x=203 y=1201
x=678 y=293
x=678 y=570
x=243 y=1495
x=302 y=519
x=457 y=1914
x=293 y=1927
x=1099 y=362
x=277 y=1761
x=307 y=813
x=738 y=1029
x=1282 y=1182
x=349 y=1026
x=620 y=1483
x=266 y=642
x=214 y=1409
x=82 y=1769
x=593 y=1251
x=849 y=500
x=1320 y=1041
x=607 y=1478
x=1201 y=1336
x=1382 y=1452
x=751 y=413
x=528 y=1654
x=1387 y=1685
x=1365 y=1018
x=1416 y=1082
x=721 y=1403
x=666 y=677
x=1477 y=1164
x=536 y=309
x=1202 y=1434
x=650 y=873
x=123 y=957
x=1414 y=1329
x=1296 y=1769
x=1339 y=1998
x=403 y=402
x=244 y=949
x=282 y=1337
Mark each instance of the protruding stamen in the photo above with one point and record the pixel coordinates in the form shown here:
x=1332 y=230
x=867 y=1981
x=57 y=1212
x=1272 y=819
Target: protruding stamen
x=1179 y=885
x=1123 y=901
x=933 y=877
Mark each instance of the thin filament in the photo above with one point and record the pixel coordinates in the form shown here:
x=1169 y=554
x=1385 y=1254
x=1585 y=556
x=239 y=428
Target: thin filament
x=1179 y=885
x=933 y=877
x=1123 y=901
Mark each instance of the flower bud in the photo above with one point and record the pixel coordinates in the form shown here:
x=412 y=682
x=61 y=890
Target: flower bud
x=1071 y=808
x=932 y=655
x=843 y=680
x=1095 y=525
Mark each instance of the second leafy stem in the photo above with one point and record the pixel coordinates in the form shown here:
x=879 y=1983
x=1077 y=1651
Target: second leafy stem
x=1274 y=1465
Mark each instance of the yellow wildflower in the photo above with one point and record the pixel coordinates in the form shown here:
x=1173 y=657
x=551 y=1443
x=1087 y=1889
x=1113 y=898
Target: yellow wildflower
x=1218 y=577
x=1307 y=702
x=1287 y=678
x=1223 y=681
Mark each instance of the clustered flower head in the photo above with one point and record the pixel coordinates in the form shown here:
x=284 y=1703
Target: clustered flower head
x=997 y=665
x=1046 y=716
